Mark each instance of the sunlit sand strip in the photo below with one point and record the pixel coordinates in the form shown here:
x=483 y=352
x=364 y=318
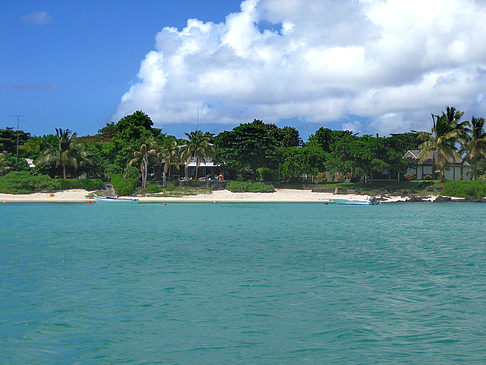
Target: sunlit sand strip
x=281 y=195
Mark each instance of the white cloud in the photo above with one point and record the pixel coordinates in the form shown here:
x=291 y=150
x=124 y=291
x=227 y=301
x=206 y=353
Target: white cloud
x=391 y=62
x=37 y=18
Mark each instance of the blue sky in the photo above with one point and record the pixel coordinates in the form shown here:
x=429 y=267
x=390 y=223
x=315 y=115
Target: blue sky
x=71 y=69
x=363 y=65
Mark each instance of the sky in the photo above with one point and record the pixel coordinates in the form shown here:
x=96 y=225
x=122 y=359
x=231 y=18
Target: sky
x=370 y=66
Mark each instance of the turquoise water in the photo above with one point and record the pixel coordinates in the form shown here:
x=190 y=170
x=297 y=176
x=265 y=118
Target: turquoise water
x=242 y=284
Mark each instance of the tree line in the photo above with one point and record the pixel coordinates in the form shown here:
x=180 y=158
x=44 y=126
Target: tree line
x=252 y=150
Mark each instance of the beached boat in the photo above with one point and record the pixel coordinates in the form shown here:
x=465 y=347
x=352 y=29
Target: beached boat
x=370 y=201
x=107 y=199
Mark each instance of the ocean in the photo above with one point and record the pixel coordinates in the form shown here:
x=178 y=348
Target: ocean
x=242 y=283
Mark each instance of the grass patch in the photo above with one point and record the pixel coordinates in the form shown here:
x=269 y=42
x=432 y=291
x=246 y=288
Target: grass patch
x=250 y=187
x=22 y=182
x=179 y=191
x=465 y=189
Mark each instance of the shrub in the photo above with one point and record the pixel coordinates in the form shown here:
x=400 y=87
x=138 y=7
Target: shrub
x=123 y=186
x=152 y=189
x=113 y=169
x=170 y=187
x=428 y=177
x=22 y=182
x=132 y=172
x=87 y=184
x=411 y=176
x=249 y=186
x=321 y=177
x=265 y=174
x=465 y=189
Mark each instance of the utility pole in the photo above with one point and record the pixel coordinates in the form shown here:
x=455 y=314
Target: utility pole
x=18 y=127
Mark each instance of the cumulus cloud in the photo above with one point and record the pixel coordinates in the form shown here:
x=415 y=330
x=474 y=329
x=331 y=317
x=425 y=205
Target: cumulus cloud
x=389 y=62
x=37 y=18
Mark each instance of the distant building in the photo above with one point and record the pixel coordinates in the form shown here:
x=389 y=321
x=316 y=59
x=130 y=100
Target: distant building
x=457 y=170
x=206 y=167
x=30 y=162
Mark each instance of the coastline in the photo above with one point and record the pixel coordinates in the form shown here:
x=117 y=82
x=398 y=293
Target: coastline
x=219 y=196
x=223 y=196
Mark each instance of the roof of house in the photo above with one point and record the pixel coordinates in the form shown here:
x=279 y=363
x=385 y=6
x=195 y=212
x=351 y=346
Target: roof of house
x=413 y=155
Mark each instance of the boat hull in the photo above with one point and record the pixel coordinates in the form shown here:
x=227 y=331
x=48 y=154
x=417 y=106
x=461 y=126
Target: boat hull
x=353 y=201
x=107 y=200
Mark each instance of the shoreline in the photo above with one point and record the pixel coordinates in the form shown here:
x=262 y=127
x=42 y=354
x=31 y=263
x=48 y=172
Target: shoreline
x=223 y=196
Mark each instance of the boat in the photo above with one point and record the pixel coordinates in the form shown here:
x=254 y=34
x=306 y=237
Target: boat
x=107 y=199
x=370 y=201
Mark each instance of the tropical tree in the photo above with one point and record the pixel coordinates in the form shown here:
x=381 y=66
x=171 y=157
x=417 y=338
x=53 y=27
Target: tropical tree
x=475 y=147
x=248 y=145
x=446 y=132
x=170 y=154
x=66 y=152
x=147 y=151
x=197 y=148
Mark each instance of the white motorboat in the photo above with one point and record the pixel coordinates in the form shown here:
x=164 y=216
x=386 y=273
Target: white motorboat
x=370 y=201
x=107 y=199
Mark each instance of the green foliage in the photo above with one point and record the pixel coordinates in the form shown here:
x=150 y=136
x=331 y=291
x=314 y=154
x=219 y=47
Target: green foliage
x=247 y=145
x=465 y=189
x=135 y=126
x=34 y=147
x=475 y=146
x=248 y=186
x=321 y=177
x=170 y=187
x=285 y=137
x=113 y=169
x=87 y=184
x=152 y=189
x=446 y=133
x=132 y=172
x=198 y=147
x=22 y=182
x=9 y=162
x=294 y=161
x=123 y=186
x=66 y=152
x=265 y=174
x=8 y=140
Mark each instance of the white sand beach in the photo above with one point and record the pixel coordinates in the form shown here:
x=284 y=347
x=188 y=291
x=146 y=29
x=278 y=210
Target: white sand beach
x=281 y=195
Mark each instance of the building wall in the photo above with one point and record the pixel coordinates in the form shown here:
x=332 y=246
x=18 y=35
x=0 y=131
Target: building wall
x=465 y=170
x=421 y=171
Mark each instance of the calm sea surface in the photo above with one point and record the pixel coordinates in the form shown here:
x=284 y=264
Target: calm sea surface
x=242 y=284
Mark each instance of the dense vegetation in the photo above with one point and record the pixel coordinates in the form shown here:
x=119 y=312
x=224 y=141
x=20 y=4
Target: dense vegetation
x=250 y=187
x=132 y=150
x=465 y=189
x=22 y=182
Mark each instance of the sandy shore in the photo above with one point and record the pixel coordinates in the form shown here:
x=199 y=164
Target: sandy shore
x=281 y=195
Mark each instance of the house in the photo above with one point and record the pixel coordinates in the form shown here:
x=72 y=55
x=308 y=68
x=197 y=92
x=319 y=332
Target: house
x=207 y=167
x=457 y=169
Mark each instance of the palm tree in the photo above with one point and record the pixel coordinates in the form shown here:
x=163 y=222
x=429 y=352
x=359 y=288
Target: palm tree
x=66 y=152
x=446 y=131
x=475 y=147
x=170 y=155
x=147 y=151
x=198 y=148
